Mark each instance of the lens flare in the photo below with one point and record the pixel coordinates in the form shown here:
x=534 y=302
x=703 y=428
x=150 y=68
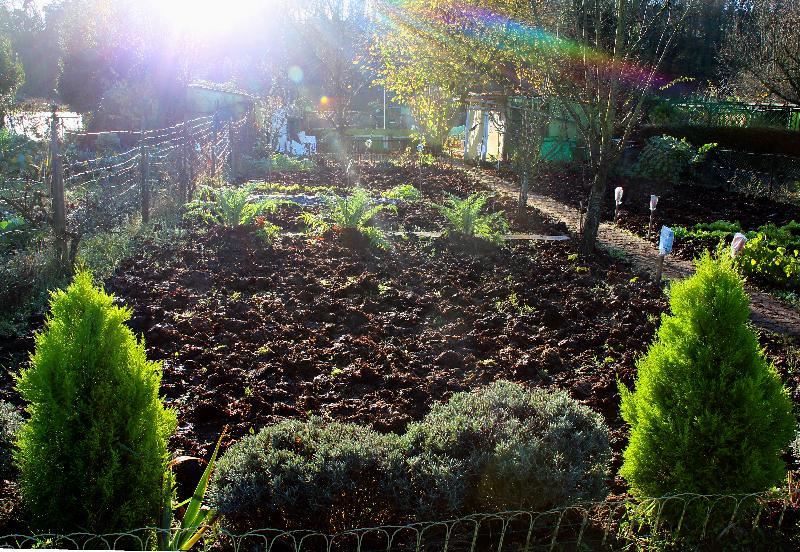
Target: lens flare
x=474 y=21
x=324 y=100
x=295 y=74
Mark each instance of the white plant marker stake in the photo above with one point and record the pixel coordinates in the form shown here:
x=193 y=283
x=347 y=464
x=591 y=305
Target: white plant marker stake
x=738 y=243
x=617 y=200
x=653 y=203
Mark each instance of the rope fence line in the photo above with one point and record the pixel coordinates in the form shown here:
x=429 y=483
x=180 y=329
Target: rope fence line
x=600 y=525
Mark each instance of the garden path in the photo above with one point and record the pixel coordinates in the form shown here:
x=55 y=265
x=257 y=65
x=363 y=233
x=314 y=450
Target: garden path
x=766 y=310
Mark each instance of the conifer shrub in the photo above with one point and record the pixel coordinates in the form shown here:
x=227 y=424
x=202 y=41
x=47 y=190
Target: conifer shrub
x=92 y=455
x=10 y=420
x=709 y=414
x=311 y=475
x=506 y=447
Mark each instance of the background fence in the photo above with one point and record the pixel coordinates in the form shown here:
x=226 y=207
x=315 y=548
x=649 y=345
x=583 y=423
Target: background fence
x=718 y=521
x=99 y=181
x=738 y=114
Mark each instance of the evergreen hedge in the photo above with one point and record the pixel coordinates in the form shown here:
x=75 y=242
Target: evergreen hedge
x=709 y=414
x=93 y=453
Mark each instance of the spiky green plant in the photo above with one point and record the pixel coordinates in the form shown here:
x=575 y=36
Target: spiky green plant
x=353 y=212
x=229 y=206
x=197 y=518
x=709 y=414
x=92 y=455
x=464 y=218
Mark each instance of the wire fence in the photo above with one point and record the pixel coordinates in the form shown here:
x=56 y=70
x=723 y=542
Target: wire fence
x=756 y=174
x=166 y=159
x=737 y=114
x=77 y=183
x=615 y=523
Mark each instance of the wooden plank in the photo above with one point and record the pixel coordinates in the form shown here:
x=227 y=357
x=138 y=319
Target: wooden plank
x=507 y=237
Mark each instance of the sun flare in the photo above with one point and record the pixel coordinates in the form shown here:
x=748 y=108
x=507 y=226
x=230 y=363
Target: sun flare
x=206 y=15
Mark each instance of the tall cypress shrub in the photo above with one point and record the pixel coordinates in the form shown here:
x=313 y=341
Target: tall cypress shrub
x=93 y=453
x=709 y=414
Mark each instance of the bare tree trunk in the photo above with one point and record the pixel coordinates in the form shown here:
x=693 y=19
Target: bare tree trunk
x=593 y=211
x=522 y=205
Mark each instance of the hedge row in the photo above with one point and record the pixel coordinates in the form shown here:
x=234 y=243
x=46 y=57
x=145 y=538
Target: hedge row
x=754 y=140
x=500 y=448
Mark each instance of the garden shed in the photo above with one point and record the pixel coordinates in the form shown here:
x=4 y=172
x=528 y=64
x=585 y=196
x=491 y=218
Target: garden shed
x=485 y=127
x=206 y=98
x=490 y=118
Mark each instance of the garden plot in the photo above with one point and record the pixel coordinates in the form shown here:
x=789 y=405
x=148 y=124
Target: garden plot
x=701 y=218
x=253 y=332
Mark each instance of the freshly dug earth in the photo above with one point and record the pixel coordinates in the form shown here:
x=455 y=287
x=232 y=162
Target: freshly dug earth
x=252 y=333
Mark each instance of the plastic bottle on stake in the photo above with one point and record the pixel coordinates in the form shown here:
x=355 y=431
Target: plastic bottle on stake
x=738 y=243
x=664 y=248
x=653 y=203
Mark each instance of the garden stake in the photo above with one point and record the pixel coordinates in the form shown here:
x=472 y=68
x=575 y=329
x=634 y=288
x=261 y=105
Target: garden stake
x=653 y=203
x=659 y=268
x=419 y=164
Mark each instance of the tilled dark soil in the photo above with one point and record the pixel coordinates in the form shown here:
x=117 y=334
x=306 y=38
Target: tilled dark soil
x=251 y=333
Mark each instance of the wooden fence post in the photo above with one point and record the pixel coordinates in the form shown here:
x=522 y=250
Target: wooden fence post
x=659 y=268
x=144 y=176
x=57 y=194
x=214 y=146
x=233 y=135
x=183 y=178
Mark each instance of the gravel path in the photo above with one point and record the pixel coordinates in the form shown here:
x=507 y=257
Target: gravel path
x=767 y=311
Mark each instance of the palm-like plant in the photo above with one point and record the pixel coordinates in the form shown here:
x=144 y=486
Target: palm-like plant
x=353 y=212
x=229 y=206
x=464 y=218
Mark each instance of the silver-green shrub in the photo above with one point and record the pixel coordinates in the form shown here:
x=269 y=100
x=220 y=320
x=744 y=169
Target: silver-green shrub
x=506 y=447
x=311 y=475
x=502 y=447
x=10 y=421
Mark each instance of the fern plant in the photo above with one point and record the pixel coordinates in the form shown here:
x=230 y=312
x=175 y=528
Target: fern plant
x=354 y=213
x=404 y=192
x=229 y=206
x=464 y=218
